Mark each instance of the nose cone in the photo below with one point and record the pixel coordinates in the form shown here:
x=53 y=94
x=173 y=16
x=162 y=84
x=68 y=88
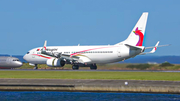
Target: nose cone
x=20 y=64
x=25 y=57
x=17 y=64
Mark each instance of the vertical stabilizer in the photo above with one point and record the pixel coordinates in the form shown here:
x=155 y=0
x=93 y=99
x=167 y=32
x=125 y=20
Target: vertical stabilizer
x=136 y=36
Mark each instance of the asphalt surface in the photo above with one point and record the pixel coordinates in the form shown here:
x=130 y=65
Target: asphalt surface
x=72 y=83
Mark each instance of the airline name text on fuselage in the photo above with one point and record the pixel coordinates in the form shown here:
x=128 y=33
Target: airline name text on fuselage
x=54 y=49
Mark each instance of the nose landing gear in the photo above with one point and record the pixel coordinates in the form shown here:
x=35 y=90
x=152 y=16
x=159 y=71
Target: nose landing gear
x=36 y=67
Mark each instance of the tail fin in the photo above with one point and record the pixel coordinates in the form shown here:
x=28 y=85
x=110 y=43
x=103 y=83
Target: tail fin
x=136 y=36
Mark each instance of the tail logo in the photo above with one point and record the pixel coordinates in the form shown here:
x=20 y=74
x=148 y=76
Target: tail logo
x=141 y=37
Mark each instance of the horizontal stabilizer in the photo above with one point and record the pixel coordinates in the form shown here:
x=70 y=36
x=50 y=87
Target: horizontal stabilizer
x=153 y=50
x=157 y=46
x=133 y=47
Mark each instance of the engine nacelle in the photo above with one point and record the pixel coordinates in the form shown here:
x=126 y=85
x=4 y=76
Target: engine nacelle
x=55 y=62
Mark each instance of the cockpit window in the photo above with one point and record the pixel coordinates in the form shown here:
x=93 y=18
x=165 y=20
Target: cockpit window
x=27 y=52
x=15 y=60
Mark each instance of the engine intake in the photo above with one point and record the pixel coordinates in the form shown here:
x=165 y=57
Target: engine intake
x=55 y=62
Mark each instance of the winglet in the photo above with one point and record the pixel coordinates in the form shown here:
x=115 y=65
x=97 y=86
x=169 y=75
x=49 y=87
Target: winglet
x=154 y=49
x=44 y=47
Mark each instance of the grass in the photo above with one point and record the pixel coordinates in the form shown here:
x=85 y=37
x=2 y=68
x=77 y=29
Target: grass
x=169 y=76
x=117 y=66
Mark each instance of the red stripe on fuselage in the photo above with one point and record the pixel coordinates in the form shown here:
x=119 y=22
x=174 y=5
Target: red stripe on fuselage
x=42 y=56
x=80 y=52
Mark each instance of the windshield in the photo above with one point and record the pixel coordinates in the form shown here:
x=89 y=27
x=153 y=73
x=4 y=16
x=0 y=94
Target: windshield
x=15 y=59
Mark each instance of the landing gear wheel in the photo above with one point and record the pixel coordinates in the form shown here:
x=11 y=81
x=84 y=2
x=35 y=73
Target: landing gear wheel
x=93 y=67
x=75 y=67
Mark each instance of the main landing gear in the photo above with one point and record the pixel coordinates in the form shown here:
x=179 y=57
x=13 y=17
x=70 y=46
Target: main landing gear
x=75 y=67
x=93 y=67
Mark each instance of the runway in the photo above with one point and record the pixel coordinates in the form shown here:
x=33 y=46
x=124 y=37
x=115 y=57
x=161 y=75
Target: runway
x=90 y=85
x=89 y=82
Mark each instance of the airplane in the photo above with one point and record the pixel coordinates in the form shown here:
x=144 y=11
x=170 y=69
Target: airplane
x=7 y=62
x=89 y=56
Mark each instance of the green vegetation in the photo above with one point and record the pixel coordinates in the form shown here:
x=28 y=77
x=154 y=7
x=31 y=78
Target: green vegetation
x=97 y=74
x=118 y=66
x=139 y=66
x=42 y=66
x=165 y=64
x=90 y=75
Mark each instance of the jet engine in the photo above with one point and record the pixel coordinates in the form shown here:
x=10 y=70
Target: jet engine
x=55 y=62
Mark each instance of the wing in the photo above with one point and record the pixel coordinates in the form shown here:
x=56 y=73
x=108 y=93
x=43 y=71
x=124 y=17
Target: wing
x=68 y=58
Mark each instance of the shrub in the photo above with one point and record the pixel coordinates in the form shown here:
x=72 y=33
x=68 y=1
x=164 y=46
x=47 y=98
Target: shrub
x=139 y=66
x=131 y=66
x=143 y=66
x=165 y=64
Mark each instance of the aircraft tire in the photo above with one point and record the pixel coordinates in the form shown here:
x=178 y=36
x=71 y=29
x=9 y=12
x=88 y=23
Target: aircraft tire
x=75 y=67
x=93 y=67
x=35 y=67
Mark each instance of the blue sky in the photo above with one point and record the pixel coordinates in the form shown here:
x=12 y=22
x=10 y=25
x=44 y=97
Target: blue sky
x=26 y=24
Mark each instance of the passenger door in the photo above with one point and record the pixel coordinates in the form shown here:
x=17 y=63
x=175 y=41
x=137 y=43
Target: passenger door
x=118 y=52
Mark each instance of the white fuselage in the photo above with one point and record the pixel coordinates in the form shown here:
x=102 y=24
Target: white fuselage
x=88 y=54
x=9 y=62
x=128 y=48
